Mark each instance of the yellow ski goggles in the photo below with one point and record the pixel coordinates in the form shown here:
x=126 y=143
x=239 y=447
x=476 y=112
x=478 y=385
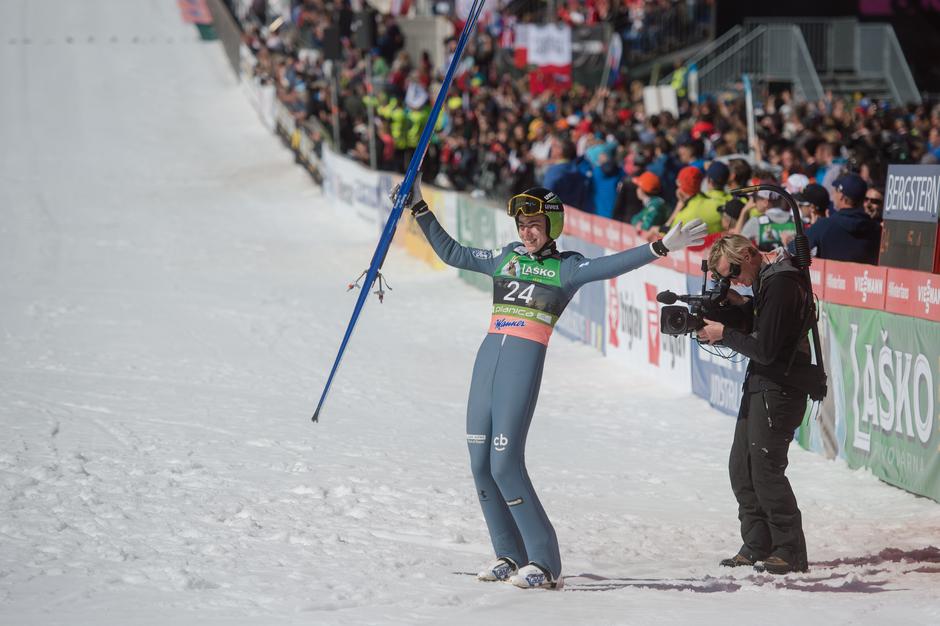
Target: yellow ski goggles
x=524 y=204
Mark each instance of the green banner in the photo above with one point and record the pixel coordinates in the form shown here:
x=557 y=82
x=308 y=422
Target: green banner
x=884 y=385
x=476 y=227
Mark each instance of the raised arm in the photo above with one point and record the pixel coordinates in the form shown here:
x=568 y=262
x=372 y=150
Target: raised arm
x=584 y=270
x=581 y=270
x=451 y=252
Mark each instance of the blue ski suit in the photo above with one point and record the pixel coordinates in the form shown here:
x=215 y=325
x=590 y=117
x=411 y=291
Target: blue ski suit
x=529 y=294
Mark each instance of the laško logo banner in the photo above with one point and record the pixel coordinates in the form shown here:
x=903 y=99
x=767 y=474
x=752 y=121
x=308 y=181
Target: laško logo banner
x=535 y=270
x=884 y=406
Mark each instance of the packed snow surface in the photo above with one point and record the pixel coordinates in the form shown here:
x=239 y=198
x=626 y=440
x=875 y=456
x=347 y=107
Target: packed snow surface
x=172 y=295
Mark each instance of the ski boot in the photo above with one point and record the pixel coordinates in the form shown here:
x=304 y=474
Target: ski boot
x=533 y=576
x=500 y=569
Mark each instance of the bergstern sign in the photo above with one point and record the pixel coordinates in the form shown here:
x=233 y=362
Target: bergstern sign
x=912 y=193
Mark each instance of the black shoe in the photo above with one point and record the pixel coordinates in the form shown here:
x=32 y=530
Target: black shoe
x=776 y=565
x=738 y=560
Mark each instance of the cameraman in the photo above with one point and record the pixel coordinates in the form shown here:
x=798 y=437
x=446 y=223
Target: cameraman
x=778 y=381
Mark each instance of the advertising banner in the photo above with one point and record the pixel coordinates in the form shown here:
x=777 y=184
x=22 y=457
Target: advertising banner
x=579 y=224
x=912 y=203
x=629 y=237
x=694 y=260
x=610 y=234
x=357 y=188
x=476 y=227
x=912 y=193
x=916 y=294
x=855 y=284
x=884 y=387
x=715 y=378
x=444 y=206
x=633 y=333
x=822 y=432
x=817 y=276
x=583 y=320
x=676 y=261
x=194 y=11
x=695 y=256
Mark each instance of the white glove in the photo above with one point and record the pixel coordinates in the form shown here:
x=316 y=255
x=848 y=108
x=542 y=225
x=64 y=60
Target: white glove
x=680 y=236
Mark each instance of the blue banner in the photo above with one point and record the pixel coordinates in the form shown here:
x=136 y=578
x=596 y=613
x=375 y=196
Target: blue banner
x=714 y=378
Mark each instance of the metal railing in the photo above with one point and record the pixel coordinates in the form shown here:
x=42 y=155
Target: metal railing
x=881 y=56
x=843 y=49
x=712 y=48
x=771 y=53
x=832 y=43
x=806 y=83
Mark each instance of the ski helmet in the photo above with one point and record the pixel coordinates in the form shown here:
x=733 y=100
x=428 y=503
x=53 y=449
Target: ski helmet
x=539 y=201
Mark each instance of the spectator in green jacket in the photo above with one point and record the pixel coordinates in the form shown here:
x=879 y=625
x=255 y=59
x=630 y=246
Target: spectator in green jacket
x=693 y=204
x=654 y=211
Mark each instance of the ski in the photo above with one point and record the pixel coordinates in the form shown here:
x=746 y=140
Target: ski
x=385 y=240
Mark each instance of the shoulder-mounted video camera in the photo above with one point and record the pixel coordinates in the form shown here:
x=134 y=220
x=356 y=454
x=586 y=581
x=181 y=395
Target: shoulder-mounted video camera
x=679 y=320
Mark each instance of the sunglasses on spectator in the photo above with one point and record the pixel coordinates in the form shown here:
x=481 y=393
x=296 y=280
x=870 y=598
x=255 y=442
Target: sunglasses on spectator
x=874 y=200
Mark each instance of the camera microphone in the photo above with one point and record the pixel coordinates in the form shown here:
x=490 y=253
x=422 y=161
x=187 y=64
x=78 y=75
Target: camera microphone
x=666 y=297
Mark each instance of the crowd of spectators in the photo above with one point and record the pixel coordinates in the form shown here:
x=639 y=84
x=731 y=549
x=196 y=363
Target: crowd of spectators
x=598 y=148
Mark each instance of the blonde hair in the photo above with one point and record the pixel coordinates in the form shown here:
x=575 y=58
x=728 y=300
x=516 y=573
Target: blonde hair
x=732 y=247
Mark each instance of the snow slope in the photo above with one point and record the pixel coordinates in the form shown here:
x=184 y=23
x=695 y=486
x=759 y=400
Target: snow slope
x=172 y=294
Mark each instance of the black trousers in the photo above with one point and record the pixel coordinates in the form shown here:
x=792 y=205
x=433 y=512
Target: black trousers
x=771 y=524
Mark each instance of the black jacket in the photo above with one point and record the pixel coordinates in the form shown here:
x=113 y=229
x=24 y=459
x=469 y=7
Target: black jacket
x=779 y=310
x=846 y=235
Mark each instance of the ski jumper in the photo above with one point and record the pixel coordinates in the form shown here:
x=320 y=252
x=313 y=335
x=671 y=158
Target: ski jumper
x=530 y=292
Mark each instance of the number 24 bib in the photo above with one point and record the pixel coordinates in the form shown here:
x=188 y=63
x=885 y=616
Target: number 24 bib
x=527 y=297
